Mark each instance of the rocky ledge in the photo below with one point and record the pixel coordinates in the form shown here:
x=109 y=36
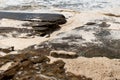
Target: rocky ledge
x=43 y=17
x=34 y=66
x=29 y=24
x=90 y=40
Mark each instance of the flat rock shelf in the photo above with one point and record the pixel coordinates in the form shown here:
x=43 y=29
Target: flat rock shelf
x=39 y=24
x=44 y=17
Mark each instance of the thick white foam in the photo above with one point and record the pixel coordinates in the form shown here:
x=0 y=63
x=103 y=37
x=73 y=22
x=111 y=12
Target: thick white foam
x=69 y=4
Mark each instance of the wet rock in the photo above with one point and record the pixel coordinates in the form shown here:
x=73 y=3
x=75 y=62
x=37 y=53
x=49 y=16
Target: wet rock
x=104 y=24
x=63 y=54
x=112 y=15
x=11 y=29
x=37 y=28
x=44 y=17
x=34 y=66
x=24 y=64
x=33 y=24
x=41 y=24
x=7 y=50
x=76 y=77
x=88 y=41
x=44 y=28
x=35 y=77
x=90 y=23
x=103 y=33
x=115 y=44
x=16 y=32
x=72 y=37
x=43 y=48
x=55 y=69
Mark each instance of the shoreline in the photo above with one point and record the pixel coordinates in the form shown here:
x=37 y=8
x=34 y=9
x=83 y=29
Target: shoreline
x=93 y=36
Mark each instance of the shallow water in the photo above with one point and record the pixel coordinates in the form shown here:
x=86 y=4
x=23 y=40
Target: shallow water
x=79 y=5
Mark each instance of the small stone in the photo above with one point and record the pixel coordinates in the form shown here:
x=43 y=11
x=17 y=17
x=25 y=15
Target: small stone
x=63 y=54
x=104 y=24
x=90 y=23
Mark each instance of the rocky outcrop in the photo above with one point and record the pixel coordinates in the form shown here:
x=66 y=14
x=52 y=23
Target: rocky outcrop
x=43 y=17
x=89 y=40
x=63 y=54
x=111 y=14
x=32 y=24
x=35 y=66
x=43 y=28
x=104 y=24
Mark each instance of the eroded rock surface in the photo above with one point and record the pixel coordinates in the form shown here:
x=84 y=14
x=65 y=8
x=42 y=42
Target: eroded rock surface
x=63 y=54
x=35 y=66
x=90 y=40
x=15 y=24
x=43 y=17
x=27 y=25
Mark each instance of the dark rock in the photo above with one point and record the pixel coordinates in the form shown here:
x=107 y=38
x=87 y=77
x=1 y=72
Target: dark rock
x=78 y=28
x=44 y=28
x=39 y=28
x=7 y=50
x=44 y=17
x=63 y=54
x=11 y=29
x=12 y=48
x=103 y=44
x=34 y=66
x=104 y=24
x=72 y=37
x=90 y=23
x=42 y=24
x=76 y=77
x=55 y=69
x=16 y=32
x=42 y=49
x=103 y=33
x=112 y=15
